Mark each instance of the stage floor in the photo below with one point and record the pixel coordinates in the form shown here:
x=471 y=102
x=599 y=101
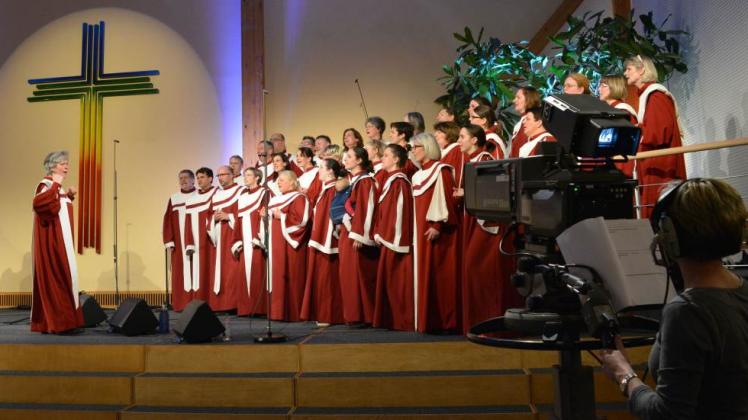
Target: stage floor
x=14 y=329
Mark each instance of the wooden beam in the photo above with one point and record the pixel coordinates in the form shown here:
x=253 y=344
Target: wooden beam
x=253 y=77
x=553 y=25
x=622 y=8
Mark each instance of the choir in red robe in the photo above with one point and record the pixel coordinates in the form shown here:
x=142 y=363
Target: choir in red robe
x=323 y=301
x=225 y=280
x=55 y=306
x=173 y=235
x=358 y=266
x=532 y=145
x=289 y=232
x=437 y=263
x=452 y=156
x=519 y=138
x=394 y=303
x=658 y=119
x=252 y=294
x=485 y=272
x=198 y=246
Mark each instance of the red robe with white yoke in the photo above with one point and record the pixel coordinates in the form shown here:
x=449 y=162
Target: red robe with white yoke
x=323 y=301
x=252 y=294
x=287 y=257
x=225 y=284
x=658 y=119
x=198 y=215
x=452 y=156
x=173 y=235
x=358 y=267
x=532 y=146
x=55 y=307
x=519 y=138
x=310 y=183
x=393 y=230
x=437 y=263
x=485 y=272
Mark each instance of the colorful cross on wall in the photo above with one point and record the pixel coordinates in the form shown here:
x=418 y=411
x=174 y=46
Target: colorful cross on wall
x=90 y=88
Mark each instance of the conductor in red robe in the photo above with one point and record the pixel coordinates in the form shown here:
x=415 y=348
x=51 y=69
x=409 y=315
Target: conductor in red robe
x=55 y=307
x=358 y=252
x=173 y=234
x=437 y=240
x=290 y=215
x=393 y=231
x=658 y=120
x=252 y=292
x=323 y=301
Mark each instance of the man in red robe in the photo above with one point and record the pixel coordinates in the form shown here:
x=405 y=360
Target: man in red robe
x=252 y=295
x=393 y=230
x=173 y=235
x=55 y=307
x=535 y=133
x=197 y=243
x=226 y=269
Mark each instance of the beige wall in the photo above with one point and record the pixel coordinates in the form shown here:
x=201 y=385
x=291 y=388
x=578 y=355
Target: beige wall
x=316 y=49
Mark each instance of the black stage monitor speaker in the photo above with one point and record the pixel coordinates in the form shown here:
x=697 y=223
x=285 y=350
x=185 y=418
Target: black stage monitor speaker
x=133 y=317
x=93 y=315
x=198 y=323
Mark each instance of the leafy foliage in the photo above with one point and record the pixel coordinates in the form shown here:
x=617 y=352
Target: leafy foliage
x=592 y=45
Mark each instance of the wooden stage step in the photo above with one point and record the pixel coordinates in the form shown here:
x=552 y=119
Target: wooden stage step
x=435 y=380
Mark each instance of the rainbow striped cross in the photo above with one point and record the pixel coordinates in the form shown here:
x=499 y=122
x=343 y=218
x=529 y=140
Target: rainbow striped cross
x=90 y=88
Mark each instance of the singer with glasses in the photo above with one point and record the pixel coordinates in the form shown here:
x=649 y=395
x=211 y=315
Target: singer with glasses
x=700 y=358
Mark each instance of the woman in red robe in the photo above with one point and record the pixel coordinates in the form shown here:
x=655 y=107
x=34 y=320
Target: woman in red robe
x=252 y=293
x=323 y=301
x=446 y=134
x=393 y=230
x=55 y=307
x=437 y=239
x=358 y=252
x=526 y=98
x=658 y=120
x=308 y=180
x=289 y=232
x=485 y=118
x=485 y=271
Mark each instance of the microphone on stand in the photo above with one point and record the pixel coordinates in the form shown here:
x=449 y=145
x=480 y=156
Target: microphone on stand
x=361 y=94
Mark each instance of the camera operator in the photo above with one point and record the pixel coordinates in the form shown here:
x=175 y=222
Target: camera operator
x=700 y=358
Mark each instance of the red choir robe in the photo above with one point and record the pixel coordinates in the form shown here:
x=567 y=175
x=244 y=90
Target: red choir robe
x=288 y=238
x=437 y=263
x=499 y=146
x=658 y=119
x=55 y=307
x=323 y=300
x=173 y=235
x=410 y=168
x=225 y=284
x=252 y=294
x=519 y=138
x=358 y=267
x=531 y=146
x=265 y=168
x=393 y=230
x=628 y=167
x=485 y=272
x=452 y=156
x=198 y=214
x=310 y=183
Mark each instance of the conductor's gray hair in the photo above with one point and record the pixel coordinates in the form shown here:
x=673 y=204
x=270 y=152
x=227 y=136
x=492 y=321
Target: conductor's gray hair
x=54 y=158
x=430 y=146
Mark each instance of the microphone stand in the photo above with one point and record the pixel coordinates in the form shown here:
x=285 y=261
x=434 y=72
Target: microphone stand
x=361 y=94
x=116 y=259
x=269 y=336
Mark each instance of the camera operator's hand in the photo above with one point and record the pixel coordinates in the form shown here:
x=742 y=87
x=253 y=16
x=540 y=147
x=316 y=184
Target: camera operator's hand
x=615 y=363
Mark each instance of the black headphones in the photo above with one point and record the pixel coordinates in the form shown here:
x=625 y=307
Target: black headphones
x=666 y=234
